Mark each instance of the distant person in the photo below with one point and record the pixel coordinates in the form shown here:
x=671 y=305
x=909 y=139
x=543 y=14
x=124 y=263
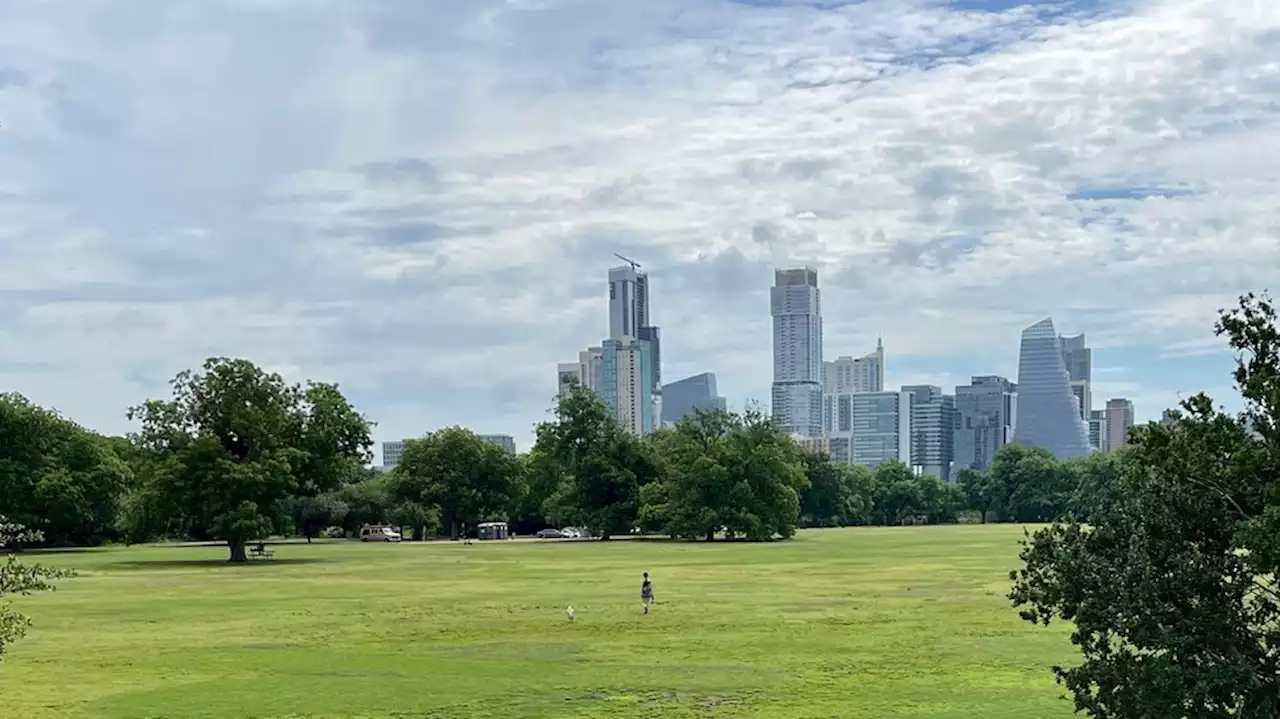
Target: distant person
x=646 y=592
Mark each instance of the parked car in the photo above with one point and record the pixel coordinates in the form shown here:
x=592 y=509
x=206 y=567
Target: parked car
x=571 y=532
x=550 y=534
x=378 y=533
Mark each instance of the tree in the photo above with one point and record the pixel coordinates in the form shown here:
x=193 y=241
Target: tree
x=838 y=495
x=1035 y=482
x=722 y=470
x=469 y=479
x=233 y=443
x=896 y=491
x=599 y=468
x=1170 y=584
x=17 y=578
x=312 y=515
x=56 y=476
x=981 y=493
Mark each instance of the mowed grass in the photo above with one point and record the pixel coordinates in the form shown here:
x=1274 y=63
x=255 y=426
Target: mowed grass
x=909 y=622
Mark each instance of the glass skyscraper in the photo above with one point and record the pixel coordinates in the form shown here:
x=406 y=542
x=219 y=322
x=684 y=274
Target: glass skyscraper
x=796 y=306
x=682 y=397
x=1047 y=413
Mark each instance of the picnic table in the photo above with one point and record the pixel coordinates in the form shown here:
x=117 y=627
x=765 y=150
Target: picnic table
x=260 y=551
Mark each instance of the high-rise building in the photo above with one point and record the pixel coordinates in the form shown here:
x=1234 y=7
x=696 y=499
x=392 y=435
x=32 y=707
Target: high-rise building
x=932 y=430
x=855 y=374
x=1119 y=422
x=1098 y=430
x=881 y=428
x=1169 y=417
x=629 y=316
x=984 y=417
x=504 y=441
x=625 y=381
x=796 y=306
x=682 y=397
x=391 y=453
x=586 y=371
x=1078 y=359
x=1047 y=414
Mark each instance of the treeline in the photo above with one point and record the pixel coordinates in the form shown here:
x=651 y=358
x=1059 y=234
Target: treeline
x=236 y=454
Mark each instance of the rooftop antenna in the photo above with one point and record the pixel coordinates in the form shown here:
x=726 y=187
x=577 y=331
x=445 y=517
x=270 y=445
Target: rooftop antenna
x=634 y=265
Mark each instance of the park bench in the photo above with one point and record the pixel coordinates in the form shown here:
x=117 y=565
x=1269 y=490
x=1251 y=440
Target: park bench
x=260 y=551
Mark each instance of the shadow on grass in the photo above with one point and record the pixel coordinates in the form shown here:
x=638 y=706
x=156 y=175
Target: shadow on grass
x=213 y=563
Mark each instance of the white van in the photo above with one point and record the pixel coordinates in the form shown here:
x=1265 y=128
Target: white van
x=378 y=533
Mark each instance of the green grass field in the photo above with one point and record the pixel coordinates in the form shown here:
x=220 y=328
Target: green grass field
x=837 y=623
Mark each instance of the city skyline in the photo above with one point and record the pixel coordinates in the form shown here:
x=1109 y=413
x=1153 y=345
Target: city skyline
x=434 y=240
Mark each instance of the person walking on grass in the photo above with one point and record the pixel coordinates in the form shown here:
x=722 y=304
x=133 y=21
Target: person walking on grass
x=646 y=592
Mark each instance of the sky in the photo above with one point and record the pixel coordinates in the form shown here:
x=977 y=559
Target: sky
x=420 y=199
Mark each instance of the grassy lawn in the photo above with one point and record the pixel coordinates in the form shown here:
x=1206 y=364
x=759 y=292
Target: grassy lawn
x=838 y=623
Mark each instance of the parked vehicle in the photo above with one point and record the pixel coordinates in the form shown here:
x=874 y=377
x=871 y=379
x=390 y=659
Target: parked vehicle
x=550 y=534
x=378 y=533
x=571 y=532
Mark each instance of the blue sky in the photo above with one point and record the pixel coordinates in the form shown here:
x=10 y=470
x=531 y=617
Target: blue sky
x=420 y=200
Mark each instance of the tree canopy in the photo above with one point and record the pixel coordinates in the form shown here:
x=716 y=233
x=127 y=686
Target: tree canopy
x=233 y=444
x=1166 y=564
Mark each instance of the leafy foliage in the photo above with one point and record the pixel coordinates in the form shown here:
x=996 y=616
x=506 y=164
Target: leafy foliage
x=1171 y=582
x=470 y=480
x=17 y=578
x=234 y=444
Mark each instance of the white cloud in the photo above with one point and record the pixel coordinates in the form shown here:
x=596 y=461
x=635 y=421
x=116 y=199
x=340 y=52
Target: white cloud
x=421 y=199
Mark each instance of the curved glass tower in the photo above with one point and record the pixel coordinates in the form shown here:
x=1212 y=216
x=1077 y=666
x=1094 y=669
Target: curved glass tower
x=1047 y=414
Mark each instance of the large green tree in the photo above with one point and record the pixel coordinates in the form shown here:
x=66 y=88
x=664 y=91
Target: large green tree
x=598 y=468
x=17 y=578
x=469 y=479
x=232 y=444
x=730 y=471
x=1167 y=568
x=1037 y=486
x=56 y=477
x=838 y=495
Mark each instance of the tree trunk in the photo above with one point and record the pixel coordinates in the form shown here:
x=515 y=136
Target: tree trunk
x=711 y=535
x=237 y=551
x=308 y=539
x=604 y=535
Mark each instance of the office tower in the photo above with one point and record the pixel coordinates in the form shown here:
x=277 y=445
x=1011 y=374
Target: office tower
x=817 y=445
x=391 y=453
x=985 y=410
x=796 y=307
x=1078 y=359
x=1119 y=422
x=855 y=374
x=625 y=305
x=932 y=430
x=504 y=441
x=881 y=428
x=586 y=371
x=629 y=317
x=682 y=397
x=625 y=379
x=1098 y=430
x=1047 y=415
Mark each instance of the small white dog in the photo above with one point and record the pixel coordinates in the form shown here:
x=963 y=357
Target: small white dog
x=572 y=614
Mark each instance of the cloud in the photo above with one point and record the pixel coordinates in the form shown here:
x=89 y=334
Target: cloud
x=421 y=200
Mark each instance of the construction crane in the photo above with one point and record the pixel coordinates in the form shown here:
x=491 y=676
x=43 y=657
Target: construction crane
x=634 y=265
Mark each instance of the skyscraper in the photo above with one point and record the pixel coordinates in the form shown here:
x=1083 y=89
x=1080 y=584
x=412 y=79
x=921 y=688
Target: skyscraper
x=586 y=371
x=796 y=307
x=855 y=374
x=985 y=410
x=630 y=331
x=881 y=428
x=626 y=375
x=682 y=397
x=932 y=430
x=1098 y=430
x=1119 y=422
x=1078 y=359
x=1047 y=413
